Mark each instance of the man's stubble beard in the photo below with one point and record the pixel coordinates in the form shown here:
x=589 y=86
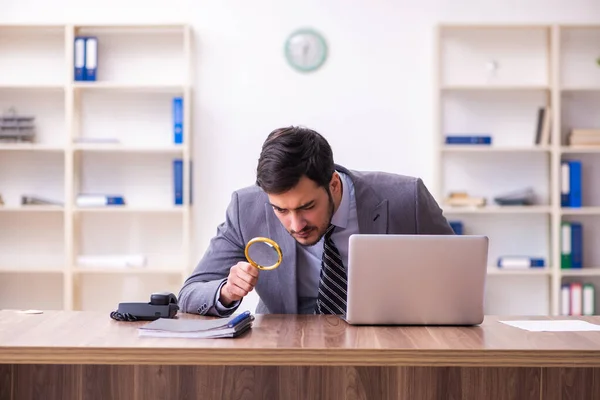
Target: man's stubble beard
x=323 y=228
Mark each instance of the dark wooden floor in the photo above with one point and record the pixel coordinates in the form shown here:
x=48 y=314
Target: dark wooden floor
x=89 y=382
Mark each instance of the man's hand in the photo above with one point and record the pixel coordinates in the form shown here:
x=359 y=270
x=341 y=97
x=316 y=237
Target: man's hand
x=241 y=281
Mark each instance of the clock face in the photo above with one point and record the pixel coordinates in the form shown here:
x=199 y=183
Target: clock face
x=305 y=50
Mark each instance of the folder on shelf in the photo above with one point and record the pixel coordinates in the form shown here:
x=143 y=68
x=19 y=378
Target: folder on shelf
x=191 y=187
x=178 y=120
x=565 y=245
x=91 y=58
x=79 y=58
x=99 y=200
x=232 y=326
x=178 y=181
x=576 y=245
x=570 y=183
x=576 y=299
x=457 y=227
x=589 y=299
x=469 y=139
x=520 y=262
x=571 y=251
x=565 y=299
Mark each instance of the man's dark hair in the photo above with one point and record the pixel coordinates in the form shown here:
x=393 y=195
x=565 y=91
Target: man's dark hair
x=288 y=154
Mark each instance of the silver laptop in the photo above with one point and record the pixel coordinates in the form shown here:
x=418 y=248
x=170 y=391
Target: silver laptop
x=416 y=279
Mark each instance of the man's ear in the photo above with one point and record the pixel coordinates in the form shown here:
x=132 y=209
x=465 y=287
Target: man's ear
x=335 y=184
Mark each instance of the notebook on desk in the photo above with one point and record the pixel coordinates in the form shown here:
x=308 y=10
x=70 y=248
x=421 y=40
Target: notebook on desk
x=416 y=279
x=229 y=327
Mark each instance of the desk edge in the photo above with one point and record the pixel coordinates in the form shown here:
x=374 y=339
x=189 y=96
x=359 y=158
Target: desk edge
x=299 y=357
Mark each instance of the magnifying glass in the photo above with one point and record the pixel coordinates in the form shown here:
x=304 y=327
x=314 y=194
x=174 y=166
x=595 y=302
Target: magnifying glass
x=263 y=253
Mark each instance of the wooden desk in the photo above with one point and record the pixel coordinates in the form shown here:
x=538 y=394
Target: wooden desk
x=86 y=355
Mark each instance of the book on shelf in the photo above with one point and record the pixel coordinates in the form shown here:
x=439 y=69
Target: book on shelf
x=99 y=200
x=578 y=299
x=520 y=262
x=30 y=200
x=85 y=58
x=228 y=327
x=544 y=123
x=584 y=137
x=571 y=248
x=463 y=199
x=463 y=139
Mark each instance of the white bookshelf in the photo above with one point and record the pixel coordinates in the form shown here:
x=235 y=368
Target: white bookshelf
x=140 y=69
x=536 y=65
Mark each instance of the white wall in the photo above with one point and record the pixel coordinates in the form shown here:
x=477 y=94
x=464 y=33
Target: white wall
x=373 y=99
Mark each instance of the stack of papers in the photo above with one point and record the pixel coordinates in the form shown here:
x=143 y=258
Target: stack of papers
x=198 y=328
x=569 y=325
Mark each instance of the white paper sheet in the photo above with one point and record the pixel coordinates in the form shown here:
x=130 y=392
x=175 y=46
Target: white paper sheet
x=571 y=325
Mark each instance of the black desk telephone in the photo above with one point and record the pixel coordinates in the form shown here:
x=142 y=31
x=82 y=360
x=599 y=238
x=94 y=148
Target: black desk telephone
x=161 y=305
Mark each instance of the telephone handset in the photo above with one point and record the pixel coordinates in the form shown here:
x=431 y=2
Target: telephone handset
x=161 y=305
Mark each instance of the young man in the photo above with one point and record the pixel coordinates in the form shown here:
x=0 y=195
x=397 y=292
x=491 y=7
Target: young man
x=310 y=207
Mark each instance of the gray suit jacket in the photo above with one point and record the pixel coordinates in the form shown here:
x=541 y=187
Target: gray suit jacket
x=386 y=204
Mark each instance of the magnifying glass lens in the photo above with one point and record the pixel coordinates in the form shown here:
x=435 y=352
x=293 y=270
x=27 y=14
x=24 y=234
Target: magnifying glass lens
x=263 y=253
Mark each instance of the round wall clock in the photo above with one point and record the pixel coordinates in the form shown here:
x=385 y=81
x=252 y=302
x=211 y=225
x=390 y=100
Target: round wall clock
x=306 y=50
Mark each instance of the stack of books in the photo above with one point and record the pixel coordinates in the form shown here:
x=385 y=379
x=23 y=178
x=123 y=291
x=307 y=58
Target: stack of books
x=198 y=328
x=584 y=137
x=463 y=199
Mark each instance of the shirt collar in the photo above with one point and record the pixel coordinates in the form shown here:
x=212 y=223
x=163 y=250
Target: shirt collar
x=341 y=216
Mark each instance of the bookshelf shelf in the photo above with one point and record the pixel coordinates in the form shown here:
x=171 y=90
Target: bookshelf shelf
x=499 y=210
x=494 y=149
x=581 y=89
x=493 y=80
x=30 y=147
x=580 y=149
x=126 y=209
x=128 y=271
x=77 y=124
x=580 y=211
x=29 y=270
x=32 y=209
x=32 y=87
x=509 y=88
x=175 y=149
x=514 y=272
x=135 y=87
x=581 y=272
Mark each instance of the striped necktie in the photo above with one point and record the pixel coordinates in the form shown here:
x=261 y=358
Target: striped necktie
x=331 y=298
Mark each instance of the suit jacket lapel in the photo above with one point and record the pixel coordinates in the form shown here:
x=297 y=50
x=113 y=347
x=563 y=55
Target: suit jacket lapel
x=372 y=210
x=285 y=275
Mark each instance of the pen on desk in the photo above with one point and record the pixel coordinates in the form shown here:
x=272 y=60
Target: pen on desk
x=238 y=319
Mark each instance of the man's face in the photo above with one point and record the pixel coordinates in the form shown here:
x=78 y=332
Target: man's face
x=306 y=210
